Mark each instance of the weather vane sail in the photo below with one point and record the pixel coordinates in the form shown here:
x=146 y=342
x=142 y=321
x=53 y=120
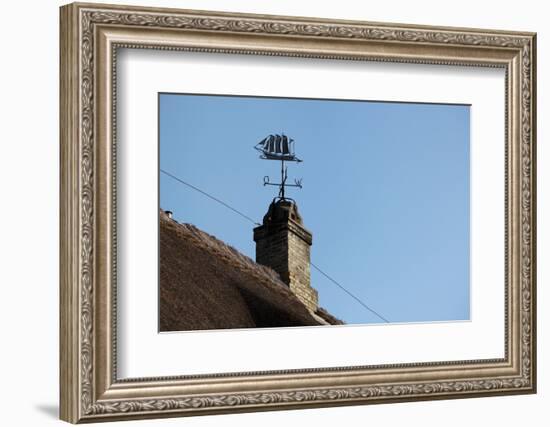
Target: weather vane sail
x=279 y=147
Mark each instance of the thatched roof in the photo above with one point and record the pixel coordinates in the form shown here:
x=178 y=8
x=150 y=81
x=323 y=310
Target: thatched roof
x=206 y=284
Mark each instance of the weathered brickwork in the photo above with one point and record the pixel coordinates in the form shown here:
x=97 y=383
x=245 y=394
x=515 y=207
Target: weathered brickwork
x=283 y=244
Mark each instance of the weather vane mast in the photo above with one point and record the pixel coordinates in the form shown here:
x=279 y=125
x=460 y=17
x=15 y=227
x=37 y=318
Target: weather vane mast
x=279 y=147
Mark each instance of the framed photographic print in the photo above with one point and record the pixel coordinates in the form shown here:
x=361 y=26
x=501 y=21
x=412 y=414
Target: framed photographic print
x=266 y=212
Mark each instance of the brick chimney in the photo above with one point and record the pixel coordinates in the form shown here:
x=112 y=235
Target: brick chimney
x=283 y=243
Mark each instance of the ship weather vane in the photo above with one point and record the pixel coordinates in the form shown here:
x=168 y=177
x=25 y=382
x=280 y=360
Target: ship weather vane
x=279 y=147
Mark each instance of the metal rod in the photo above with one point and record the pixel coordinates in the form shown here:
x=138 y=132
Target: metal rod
x=283 y=179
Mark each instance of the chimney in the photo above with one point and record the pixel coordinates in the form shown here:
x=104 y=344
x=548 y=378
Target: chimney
x=283 y=243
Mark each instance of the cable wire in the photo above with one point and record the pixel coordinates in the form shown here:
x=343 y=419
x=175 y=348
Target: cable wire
x=181 y=181
x=349 y=293
x=210 y=196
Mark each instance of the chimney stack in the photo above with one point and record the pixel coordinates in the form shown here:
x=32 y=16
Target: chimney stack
x=283 y=243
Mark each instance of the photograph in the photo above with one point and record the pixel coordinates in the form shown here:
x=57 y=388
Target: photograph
x=278 y=212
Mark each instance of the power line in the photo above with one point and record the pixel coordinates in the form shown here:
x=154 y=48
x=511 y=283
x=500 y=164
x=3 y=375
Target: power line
x=210 y=196
x=349 y=293
x=256 y=223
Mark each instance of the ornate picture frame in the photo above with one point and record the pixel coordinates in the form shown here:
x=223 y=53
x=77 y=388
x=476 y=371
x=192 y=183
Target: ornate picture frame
x=90 y=37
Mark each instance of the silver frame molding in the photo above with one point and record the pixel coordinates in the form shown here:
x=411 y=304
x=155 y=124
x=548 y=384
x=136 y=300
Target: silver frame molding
x=90 y=36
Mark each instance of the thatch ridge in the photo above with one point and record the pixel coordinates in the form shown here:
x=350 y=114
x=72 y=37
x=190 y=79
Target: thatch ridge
x=207 y=284
x=329 y=318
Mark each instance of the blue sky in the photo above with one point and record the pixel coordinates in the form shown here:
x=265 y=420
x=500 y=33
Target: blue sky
x=385 y=192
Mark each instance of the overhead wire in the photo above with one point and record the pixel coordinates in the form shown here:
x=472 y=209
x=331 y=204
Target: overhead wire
x=221 y=202
x=226 y=205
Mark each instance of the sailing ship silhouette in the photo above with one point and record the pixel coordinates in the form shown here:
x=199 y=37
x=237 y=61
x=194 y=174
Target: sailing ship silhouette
x=277 y=147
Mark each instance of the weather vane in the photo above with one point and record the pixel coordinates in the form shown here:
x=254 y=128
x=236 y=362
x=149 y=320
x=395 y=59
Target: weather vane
x=279 y=147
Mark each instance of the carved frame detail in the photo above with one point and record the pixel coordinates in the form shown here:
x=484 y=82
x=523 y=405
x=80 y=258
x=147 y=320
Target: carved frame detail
x=84 y=397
